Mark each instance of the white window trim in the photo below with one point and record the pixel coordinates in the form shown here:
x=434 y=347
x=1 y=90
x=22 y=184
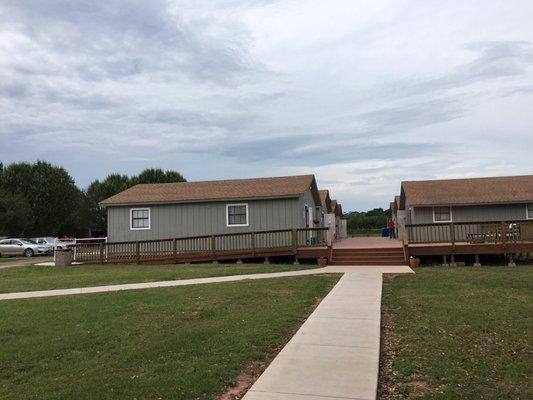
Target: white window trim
x=237 y=205
x=149 y=219
x=443 y=222
x=528 y=216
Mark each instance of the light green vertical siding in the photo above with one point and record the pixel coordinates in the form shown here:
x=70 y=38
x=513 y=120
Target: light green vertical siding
x=496 y=212
x=195 y=219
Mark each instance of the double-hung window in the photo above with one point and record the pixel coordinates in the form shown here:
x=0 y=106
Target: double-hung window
x=442 y=214
x=237 y=214
x=529 y=211
x=139 y=218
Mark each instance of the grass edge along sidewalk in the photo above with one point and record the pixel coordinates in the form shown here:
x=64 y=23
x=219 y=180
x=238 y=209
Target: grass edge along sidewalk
x=30 y=278
x=458 y=333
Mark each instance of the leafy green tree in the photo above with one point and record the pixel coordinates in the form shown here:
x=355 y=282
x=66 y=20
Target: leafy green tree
x=99 y=191
x=15 y=214
x=361 y=221
x=157 y=175
x=51 y=194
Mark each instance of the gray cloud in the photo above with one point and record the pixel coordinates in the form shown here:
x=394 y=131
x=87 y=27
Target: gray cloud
x=290 y=150
x=118 y=39
x=415 y=115
x=497 y=59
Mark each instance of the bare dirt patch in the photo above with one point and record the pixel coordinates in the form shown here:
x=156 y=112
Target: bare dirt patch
x=388 y=383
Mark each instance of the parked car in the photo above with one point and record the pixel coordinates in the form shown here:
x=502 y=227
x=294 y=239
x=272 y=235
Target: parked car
x=56 y=243
x=23 y=247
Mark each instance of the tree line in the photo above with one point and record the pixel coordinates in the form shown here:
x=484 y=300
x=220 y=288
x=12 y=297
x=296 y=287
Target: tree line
x=367 y=220
x=41 y=199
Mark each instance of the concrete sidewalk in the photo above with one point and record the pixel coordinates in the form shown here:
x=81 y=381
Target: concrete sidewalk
x=335 y=353
x=183 y=282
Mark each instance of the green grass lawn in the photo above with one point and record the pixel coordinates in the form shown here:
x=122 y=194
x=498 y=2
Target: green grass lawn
x=461 y=333
x=166 y=343
x=22 y=279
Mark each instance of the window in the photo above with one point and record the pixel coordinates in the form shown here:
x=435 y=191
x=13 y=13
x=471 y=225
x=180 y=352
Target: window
x=237 y=214
x=442 y=214
x=139 y=218
x=529 y=211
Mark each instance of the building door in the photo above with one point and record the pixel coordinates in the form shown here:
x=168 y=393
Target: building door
x=308 y=211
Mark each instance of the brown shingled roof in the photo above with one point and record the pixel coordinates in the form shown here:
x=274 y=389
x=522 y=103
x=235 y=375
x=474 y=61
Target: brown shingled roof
x=504 y=189
x=336 y=208
x=395 y=204
x=325 y=200
x=285 y=186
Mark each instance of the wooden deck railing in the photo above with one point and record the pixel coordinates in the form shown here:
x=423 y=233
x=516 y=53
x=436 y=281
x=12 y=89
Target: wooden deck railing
x=209 y=247
x=498 y=232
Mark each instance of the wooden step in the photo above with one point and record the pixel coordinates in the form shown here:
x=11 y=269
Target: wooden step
x=368 y=256
x=380 y=255
x=384 y=251
x=368 y=263
x=366 y=250
x=364 y=261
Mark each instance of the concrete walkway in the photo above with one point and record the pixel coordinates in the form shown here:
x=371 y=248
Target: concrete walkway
x=335 y=353
x=181 y=282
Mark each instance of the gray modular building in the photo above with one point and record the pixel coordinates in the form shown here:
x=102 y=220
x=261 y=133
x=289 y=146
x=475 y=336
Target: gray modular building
x=174 y=210
x=434 y=202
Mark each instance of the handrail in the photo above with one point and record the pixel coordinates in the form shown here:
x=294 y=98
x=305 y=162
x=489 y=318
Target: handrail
x=209 y=236
x=509 y=221
x=474 y=232
x=245 y=243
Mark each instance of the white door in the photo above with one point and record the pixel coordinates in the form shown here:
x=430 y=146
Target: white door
x=311 y=224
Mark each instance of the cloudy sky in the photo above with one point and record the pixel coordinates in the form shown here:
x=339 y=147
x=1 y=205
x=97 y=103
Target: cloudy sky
x=363 y=94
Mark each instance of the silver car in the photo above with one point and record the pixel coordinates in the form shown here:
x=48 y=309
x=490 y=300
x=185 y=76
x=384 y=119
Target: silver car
x=22 y=247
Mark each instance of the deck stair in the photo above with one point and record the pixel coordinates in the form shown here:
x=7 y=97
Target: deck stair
x=368 y=256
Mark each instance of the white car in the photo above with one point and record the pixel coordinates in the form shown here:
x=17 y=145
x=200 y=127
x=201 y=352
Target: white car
x=23 y=247
x=52 y=241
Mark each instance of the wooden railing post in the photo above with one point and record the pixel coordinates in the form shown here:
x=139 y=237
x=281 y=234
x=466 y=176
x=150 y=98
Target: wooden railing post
x=101 y=253
x=294 y=237
x=175 y=250
x=137 y=252
x=452 y=233
x=214 y=246
x=253 y=243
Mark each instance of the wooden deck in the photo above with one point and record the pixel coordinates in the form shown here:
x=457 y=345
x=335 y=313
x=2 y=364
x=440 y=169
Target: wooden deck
x=474 y=238
x=384 y=246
